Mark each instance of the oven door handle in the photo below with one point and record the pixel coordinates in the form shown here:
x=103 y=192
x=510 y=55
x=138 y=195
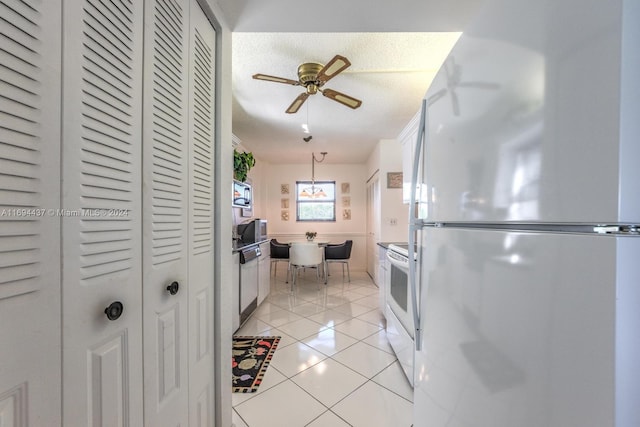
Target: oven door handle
x=403 y=265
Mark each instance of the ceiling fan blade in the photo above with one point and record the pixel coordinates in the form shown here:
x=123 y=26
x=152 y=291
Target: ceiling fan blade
x=392 y=71
x=297 y=103
x=455 y=103
x=480 y=85
x=342 y=98
x=337 y=64
x=276 y=79
x=436 y=96
x=447 y=68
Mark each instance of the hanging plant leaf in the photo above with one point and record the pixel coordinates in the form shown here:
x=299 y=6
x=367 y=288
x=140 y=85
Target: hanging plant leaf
x=242 y=164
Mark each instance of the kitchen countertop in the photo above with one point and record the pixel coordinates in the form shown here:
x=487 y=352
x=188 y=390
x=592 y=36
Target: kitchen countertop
x=385 y=245
x=238 y=246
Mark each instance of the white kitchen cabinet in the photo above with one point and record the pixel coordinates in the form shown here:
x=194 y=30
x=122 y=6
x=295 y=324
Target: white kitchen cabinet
x=235 y=291
x=264 y=279
x=382 y=277
x=408 y=138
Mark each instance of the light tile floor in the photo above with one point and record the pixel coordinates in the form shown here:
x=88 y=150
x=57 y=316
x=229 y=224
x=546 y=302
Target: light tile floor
x=333 y=366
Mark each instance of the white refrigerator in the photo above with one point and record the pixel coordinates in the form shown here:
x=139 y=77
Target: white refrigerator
x=527 y=186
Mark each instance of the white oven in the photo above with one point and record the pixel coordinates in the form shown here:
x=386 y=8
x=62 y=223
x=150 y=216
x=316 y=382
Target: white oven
x=400 y=329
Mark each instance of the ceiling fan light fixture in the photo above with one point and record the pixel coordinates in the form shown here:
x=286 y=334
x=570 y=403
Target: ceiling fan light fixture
x=308 y=72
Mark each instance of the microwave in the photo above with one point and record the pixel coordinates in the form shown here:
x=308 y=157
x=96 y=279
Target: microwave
x=242 y=194
x=253 y=231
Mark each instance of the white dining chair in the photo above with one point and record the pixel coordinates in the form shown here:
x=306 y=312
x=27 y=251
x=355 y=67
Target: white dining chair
x=305 y=255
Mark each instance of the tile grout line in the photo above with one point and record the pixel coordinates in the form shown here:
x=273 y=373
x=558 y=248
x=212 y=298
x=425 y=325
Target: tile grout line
x=304 y=300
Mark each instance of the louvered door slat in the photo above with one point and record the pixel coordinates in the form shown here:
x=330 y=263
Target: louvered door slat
x=98 y=12
x=165 y=198
x=20 y=115
x=102 y=211
x=201 y=208
x=168 y=115
x=30 y=384
x=202 y=139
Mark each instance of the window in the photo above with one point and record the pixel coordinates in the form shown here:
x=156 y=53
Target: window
x=316 y=202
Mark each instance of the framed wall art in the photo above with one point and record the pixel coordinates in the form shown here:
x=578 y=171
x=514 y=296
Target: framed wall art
x=394 y=179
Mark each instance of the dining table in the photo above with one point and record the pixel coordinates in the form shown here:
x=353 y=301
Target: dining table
x=320 y=242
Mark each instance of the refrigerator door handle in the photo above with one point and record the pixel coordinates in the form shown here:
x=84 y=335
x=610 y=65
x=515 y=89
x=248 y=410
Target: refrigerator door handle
x=617 y=229
x=414 y=226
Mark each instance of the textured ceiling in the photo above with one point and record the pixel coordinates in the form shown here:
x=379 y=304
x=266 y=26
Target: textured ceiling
x=390 y=72
x=348 y=16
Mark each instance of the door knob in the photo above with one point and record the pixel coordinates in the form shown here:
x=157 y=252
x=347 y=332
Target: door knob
x=114 y=311
x=173 y=288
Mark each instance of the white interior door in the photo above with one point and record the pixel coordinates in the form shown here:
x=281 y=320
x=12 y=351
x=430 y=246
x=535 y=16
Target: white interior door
x=30 y=383
x=165 y=205
x=201 y=155
x=102 y=81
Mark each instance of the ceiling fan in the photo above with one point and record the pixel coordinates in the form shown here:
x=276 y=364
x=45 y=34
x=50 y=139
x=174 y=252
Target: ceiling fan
x=312 y=76
x=454 y=81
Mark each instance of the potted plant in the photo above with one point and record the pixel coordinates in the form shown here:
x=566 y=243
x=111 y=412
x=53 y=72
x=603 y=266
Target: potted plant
x=242 y=163
x=311 y=235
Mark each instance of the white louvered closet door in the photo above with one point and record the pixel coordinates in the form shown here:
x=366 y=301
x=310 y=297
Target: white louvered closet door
x=102 y=147
x=30 y=381
x=201 y=215
x=165 y=206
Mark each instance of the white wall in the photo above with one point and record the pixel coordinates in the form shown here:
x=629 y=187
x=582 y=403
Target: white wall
x=268 y=178
x=387 y=157
x=257 y=180
x=353 y=174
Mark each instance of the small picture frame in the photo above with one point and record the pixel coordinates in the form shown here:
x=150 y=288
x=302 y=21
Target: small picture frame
x=284 y=203
x=284 y=215
x=345 y=187
x=284 y=188
x=394 y=179
x=346 y=214
x=346 y=201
